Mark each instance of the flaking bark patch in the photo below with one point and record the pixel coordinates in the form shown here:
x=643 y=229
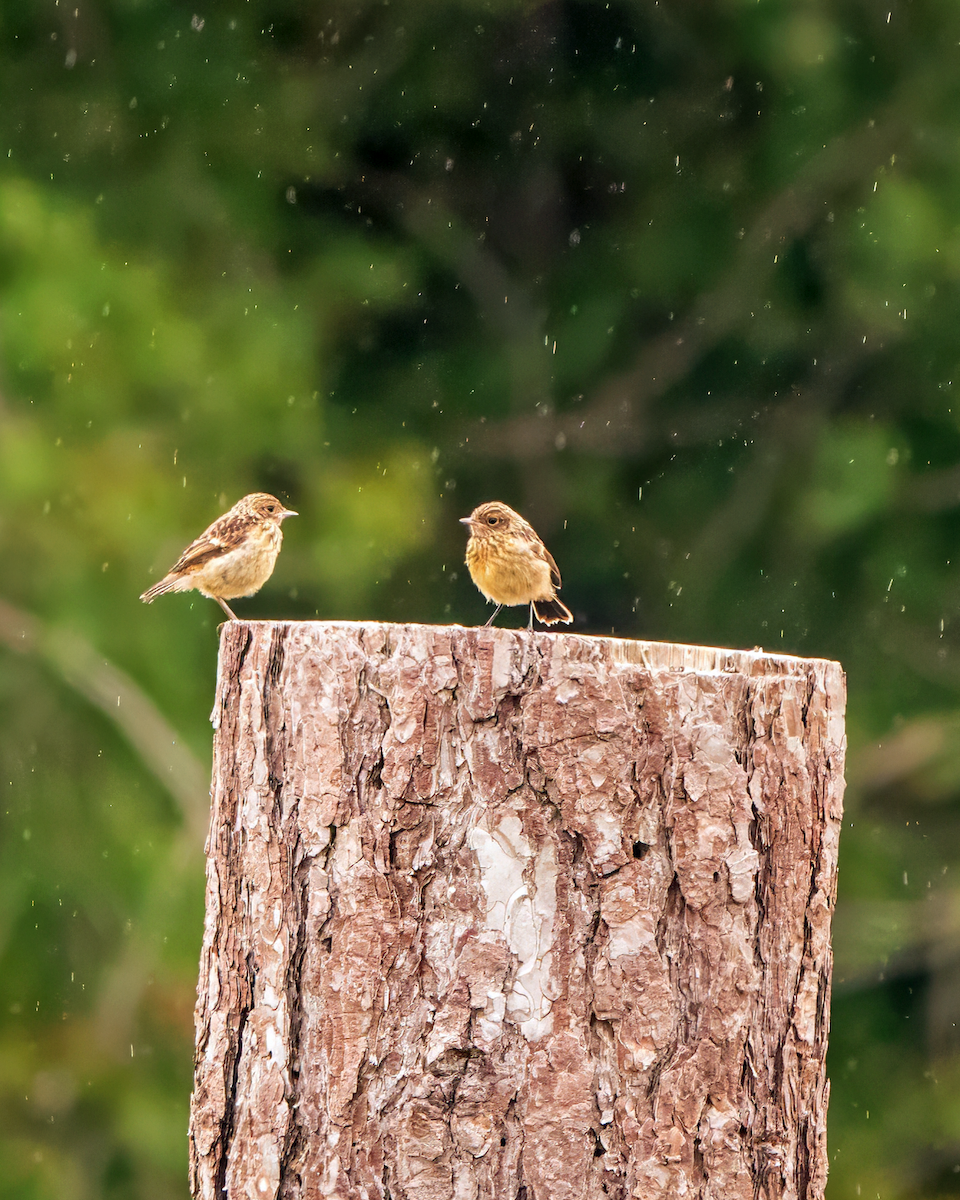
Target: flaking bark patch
x=503 y=915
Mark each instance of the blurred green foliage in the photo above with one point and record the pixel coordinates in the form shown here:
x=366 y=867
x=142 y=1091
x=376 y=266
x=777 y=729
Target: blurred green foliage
x=679 y=281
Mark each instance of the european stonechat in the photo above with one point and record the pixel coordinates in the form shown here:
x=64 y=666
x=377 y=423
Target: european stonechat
x=510 y=564
x=234 y=557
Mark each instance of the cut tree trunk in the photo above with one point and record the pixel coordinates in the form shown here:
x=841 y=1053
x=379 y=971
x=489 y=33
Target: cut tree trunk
x=494 y=915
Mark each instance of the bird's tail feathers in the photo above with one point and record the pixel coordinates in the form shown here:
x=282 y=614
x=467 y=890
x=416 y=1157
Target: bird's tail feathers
x=549 y=612
x=167 y=584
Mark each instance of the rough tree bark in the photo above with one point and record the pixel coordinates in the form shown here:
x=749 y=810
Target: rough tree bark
x=494 y=915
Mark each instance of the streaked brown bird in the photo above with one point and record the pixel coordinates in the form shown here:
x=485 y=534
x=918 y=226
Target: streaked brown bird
x=510 y=565
x=234 y=557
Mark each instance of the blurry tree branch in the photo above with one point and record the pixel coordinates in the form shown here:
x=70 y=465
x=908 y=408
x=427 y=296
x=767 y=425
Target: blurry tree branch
x=933 y=491
x=925 y=743
x=501 y=298
x=127 y=978
x=883 y=939
x=122 y=702
x=917 y=648
x=787 y=435
x=615 y=421
x=912 y=769
x=745 y=509
x=126 y=706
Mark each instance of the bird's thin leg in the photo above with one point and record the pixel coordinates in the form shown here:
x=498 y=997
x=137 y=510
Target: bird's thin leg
x=530 y=622
x=226 y=608
x=492 y=615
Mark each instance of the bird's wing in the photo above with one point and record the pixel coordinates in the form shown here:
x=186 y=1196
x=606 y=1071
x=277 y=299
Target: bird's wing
x=554 y=569
x=198 y=554
x=530 y=535
x=224 y=535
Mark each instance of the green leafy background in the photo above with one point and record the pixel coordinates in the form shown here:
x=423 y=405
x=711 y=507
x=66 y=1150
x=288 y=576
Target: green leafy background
x=680 y=281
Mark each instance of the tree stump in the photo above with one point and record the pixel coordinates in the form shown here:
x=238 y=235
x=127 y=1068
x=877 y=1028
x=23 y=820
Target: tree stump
x=494 y=915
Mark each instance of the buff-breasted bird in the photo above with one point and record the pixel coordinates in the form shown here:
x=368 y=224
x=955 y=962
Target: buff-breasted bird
x=234 y=557
x=510 y=564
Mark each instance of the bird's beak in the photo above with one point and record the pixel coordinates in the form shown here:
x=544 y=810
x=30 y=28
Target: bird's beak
x=466 y=521
x=288 y=512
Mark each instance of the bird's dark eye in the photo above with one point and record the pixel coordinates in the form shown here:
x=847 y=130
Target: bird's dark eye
x=271 y=508
x=492 y=520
